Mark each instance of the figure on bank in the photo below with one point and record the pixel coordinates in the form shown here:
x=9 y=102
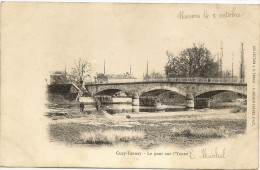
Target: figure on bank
x=97 y=103
x=81 y=106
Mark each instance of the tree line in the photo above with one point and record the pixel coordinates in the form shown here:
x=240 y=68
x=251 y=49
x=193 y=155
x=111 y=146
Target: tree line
x=196 y=61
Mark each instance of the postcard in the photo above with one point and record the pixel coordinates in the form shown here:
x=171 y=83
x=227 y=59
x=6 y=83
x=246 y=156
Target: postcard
x=129 y=85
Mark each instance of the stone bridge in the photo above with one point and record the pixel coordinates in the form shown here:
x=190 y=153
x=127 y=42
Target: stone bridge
x=200 y=89
x=197 y=89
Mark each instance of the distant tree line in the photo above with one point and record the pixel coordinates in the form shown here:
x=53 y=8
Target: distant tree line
x=196 y=61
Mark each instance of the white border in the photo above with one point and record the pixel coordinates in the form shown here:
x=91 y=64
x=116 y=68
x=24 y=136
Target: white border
x=151 y=1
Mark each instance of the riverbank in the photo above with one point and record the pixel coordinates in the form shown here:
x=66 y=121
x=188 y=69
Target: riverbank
x=148 y=130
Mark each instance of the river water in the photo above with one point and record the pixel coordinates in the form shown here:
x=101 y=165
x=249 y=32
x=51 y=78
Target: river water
x=61 y=109
x=73 y=108
x=128 y=108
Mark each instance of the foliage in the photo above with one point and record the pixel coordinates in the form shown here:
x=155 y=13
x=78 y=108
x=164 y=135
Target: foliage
x=192 y=62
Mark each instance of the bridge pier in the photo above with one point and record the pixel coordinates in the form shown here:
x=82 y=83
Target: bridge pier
x=135 y=99
x=189 y=103
x=201 y=103
x=135 y=109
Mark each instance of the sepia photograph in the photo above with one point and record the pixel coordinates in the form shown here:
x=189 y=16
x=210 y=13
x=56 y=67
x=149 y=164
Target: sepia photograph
x=130 y=85
x=191 y=100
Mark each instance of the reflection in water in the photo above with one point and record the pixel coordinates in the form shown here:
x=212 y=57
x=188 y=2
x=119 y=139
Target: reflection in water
x=128 y=108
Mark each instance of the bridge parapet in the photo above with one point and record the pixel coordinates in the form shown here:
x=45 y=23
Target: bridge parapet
x=201 y=80
x=179 y=80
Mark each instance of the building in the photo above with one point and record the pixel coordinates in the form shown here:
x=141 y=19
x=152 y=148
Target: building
x=111 y=78
x=58 y=77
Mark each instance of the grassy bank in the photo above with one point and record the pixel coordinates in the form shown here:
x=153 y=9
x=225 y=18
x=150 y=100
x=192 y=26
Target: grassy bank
x=182 y=130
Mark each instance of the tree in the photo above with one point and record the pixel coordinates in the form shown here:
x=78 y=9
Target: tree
x=81 y=71
x=192 y=62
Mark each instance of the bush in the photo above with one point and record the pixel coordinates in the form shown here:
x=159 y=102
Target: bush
x=110 y=136
x=199 y=132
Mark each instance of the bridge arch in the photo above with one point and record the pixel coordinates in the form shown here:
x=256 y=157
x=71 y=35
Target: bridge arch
x=212 y=92
x=162 y=89
x=111 y=92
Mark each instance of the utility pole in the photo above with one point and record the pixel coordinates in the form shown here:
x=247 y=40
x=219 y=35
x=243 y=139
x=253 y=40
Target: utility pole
x=104 y=66
x=218 y=57
x=242 y=66
x=130 y=70
x=221 y=59
x=232 y=63
x=218 y=65
x=147 y=68
x=65 y=73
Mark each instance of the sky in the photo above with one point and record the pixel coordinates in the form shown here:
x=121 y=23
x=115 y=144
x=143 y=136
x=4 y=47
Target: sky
x=129 y=34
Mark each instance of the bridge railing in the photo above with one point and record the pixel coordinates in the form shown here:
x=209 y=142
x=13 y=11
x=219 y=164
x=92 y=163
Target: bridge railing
x=192 y=80
x=199 y=80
